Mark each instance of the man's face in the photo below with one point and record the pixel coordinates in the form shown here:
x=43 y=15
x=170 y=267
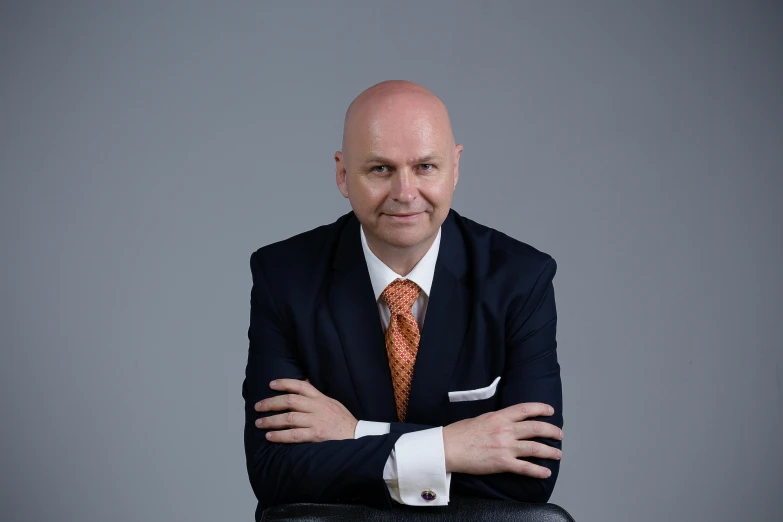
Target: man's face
x=399 y=169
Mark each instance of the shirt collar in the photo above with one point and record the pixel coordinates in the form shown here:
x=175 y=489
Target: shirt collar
x=381 y=275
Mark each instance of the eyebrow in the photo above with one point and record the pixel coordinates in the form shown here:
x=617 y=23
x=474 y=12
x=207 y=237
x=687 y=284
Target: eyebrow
x=385 y=161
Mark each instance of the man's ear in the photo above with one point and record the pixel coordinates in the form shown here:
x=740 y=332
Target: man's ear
x=340 y=173
x=457 y=152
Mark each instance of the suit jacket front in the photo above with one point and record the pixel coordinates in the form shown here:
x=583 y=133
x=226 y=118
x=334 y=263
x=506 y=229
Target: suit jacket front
x=491 y=313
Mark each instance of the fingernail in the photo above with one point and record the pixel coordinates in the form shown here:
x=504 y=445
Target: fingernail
x=273 y=384
x=268 y=434
x=259 y=422
x=548 y=473
x=551 y=410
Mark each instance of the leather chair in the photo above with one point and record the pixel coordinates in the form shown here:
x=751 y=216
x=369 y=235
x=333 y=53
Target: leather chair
x=459 y=510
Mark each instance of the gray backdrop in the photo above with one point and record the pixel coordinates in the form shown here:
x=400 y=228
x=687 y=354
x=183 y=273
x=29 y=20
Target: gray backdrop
x=149 y=147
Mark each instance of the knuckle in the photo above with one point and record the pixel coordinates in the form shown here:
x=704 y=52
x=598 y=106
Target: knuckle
x=290 y=399
x=296 y=435
x=505 y=429
x=501 y=461
x=491 y=416
x=290 y=417
x=497 y=443
x=501 y=429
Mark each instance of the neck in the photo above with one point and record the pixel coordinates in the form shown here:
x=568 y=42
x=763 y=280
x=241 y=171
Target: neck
x=401 y=260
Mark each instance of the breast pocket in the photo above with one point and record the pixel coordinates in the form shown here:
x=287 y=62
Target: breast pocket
x=475 y=395
x=472 y=403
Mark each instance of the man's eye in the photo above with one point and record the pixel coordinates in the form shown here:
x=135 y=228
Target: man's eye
x=427 y=166
x=380 y=169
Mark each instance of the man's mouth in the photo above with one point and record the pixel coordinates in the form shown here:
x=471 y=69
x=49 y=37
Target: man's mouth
x=404 y=216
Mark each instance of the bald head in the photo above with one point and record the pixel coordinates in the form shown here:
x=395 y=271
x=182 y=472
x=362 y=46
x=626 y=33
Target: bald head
x=389 y=100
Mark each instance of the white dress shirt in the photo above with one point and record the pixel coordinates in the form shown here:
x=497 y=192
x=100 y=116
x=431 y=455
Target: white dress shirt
x=417 y=462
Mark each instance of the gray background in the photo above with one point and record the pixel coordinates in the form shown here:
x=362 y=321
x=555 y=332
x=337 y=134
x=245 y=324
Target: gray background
x=149 y=147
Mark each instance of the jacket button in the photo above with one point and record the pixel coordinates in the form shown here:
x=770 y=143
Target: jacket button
x=428 y=495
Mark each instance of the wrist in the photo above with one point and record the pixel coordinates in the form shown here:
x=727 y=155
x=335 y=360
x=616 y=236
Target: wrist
x=448 y=450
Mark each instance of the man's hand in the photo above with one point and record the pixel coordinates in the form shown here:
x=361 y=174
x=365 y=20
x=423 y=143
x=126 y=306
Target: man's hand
x=492 y=443
x=313 y=417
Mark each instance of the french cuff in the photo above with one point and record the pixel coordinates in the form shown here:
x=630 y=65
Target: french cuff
x=364 y=428
x=415 y=472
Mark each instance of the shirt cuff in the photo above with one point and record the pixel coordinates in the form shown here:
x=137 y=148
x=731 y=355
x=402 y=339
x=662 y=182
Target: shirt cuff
x=364 y=428
x=415 y=472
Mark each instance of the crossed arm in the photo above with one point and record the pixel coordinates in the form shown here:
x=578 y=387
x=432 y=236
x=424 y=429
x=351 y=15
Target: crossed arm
x=485 y=452
x=490 y=443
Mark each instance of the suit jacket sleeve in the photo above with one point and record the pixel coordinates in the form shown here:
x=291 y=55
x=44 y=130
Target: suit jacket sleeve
x=531 y=374
x=330 y=471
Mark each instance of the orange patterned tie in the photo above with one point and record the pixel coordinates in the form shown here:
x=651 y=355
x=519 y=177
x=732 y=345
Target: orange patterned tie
x=402 y=339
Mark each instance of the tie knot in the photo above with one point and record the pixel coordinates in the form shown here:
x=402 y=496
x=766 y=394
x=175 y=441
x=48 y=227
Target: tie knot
x=400 y=295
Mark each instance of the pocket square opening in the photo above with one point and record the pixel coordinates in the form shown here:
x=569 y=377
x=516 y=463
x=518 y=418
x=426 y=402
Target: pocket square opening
x=475 y=395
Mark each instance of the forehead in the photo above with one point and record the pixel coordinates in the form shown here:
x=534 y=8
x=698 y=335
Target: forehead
x=397 y=126
x=402 y=133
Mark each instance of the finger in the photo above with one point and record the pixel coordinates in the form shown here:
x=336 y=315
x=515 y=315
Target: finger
x=522 y=467
x=295 y=386
x=292 y=419
x=529 y=448
x=293 y=436
x=532 y=429
x=290 y=401
x=526 y=410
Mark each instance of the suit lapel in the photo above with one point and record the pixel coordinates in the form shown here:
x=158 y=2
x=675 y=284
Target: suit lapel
x=355 y=312
x=445 y=325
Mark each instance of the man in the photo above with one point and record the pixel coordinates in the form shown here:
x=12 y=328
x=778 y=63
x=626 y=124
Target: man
x=403 y=353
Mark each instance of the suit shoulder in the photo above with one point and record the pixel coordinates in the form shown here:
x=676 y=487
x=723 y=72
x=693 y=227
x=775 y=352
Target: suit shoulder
x=303 y=251
x=502 y=248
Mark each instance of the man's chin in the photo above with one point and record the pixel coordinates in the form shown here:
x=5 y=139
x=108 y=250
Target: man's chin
x=405 y=238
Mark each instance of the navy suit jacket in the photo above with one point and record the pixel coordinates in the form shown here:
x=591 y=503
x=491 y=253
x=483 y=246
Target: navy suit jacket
x=314 y=315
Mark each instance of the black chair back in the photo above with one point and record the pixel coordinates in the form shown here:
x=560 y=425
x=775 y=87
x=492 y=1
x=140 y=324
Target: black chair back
x=458 y=510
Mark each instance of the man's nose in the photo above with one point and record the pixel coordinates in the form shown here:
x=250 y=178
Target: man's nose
x=404 y=187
